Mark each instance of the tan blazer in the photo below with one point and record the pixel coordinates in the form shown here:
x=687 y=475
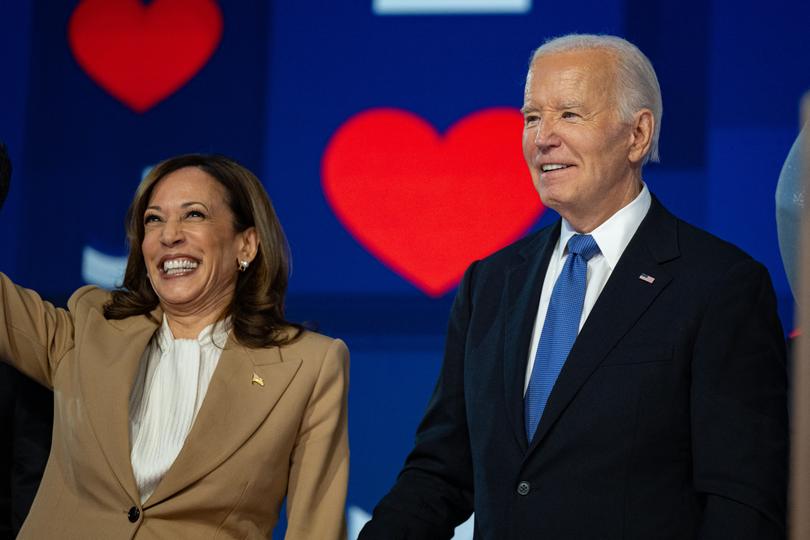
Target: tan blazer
x=251 y=445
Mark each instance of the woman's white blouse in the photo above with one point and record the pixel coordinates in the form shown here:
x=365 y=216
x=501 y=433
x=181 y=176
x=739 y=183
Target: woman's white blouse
x=167 y=395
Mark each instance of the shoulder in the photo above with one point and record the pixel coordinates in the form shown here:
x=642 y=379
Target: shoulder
x=719 y=265
x=696 y=242
x=530 y=246
x=323 y=360
x=491 y=271
x=314 y=348
x=314 y=342
x=88 y=298
x=696 y=254
x=665 y=233
x=671 y=240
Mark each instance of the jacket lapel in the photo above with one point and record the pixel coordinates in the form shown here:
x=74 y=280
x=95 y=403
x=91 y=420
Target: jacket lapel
x=233 y=408
x=622 y=302
x=524 y=281
x=107 y=370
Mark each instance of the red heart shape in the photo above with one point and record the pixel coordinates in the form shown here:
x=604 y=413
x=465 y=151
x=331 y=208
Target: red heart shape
x=143 y=53
x=424 y=204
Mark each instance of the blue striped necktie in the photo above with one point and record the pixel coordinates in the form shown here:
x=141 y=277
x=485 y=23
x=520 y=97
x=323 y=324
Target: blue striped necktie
x=560 y=328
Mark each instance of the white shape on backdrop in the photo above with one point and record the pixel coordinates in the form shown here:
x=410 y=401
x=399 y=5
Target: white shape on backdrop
x=106 y=271
x=357 y=517
x=449 y=7
x=790 y=205
x=465 y=530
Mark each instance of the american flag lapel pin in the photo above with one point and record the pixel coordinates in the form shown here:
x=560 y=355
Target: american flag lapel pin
x=647 y=278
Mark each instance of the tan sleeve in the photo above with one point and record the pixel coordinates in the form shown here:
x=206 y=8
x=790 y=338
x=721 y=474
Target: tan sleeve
x=34 y=335
x=319 y=472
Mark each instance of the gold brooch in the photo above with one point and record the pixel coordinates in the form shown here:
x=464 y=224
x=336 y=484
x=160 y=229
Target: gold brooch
x=257 y=380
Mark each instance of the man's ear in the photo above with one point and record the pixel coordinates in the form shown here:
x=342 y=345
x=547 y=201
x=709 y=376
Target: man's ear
x=643 y=127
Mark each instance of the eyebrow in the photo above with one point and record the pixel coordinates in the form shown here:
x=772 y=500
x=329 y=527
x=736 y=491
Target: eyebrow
x=184 y=205
x=564 y=105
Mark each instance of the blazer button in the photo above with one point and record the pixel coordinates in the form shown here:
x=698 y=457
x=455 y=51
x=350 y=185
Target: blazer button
x=524 y=488
x=133 y=514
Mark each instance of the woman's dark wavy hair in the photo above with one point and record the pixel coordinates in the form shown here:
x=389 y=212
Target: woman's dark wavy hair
x=257 y=308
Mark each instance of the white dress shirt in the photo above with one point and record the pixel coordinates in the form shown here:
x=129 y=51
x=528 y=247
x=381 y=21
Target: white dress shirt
x=612 y=237
x=168 y=393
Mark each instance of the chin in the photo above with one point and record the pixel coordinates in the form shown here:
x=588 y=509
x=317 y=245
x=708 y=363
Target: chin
x=176 y=297
x=549 y=199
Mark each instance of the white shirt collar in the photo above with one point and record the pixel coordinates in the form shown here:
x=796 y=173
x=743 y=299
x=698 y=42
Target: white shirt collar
x=214 y=334
x=613 y=235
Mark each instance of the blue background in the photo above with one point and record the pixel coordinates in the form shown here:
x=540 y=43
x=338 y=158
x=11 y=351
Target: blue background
x=288 y=74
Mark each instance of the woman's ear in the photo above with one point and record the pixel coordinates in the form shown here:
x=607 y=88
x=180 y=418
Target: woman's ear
x=249 y=244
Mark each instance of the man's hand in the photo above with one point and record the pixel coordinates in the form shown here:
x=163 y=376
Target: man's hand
x=5 y=173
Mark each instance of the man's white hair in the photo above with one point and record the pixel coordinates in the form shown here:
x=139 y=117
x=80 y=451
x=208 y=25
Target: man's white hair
x=636 y=84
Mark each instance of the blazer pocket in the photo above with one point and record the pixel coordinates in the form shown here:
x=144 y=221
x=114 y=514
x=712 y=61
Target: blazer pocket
x=638 y=353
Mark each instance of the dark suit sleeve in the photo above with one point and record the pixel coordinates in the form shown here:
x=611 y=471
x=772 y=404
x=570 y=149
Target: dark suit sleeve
x=33 y=424
x=739 y=409
x=434 y=491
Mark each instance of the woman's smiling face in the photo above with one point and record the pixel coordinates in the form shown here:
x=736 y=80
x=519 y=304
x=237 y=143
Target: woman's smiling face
x=190 y=246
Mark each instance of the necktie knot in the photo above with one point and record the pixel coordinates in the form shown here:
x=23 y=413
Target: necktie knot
x=583 y=245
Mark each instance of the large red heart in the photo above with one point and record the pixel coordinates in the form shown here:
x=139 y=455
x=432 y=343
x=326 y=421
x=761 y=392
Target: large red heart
x=424 y=204
x=142 y=53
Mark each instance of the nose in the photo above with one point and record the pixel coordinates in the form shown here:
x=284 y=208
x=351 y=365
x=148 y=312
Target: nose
x=171 y=234
x=545 y=135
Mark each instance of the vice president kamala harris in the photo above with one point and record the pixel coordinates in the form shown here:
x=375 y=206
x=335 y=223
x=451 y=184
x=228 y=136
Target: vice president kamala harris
x=185 y=405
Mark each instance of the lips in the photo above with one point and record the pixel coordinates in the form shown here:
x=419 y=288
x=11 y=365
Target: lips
x=551 y=167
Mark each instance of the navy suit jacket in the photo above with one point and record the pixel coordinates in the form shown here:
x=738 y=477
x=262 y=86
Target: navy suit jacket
x=668 y=419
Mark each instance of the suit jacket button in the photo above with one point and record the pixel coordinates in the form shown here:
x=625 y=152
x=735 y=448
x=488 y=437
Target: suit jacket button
x=524 y=488
x=134 y=514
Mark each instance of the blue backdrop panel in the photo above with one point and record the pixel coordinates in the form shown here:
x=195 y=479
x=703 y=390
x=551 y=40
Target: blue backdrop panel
x=330 y=66
x=15 y=55
x=287 y=75
x=85 y=151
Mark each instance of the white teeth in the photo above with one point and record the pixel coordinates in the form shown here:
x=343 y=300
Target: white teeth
x=177 y=265
x=552 y=167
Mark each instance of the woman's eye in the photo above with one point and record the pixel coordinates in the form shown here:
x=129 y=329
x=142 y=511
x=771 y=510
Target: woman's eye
x=150 y=218
x=195 y=214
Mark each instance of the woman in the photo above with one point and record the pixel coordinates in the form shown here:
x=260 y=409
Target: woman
x=185 y=406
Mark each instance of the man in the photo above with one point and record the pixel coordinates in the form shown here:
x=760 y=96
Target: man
x=617 y=375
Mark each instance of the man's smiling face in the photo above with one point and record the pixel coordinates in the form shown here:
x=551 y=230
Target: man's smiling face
x=574 y=142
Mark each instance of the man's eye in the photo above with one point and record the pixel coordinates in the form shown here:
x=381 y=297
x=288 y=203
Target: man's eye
x=531 y=120
x=569 y=115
